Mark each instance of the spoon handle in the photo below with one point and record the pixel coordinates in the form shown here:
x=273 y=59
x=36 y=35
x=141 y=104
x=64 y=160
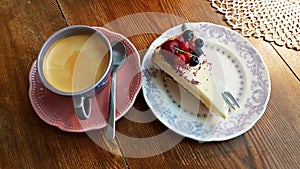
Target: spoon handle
x=112 y=109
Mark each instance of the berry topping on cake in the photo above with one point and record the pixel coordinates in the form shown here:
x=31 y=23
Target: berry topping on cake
x=188 y=35
x=194 y=61
x=199 y=42
x=182 y=58
x=170 y=46
x=183 y=49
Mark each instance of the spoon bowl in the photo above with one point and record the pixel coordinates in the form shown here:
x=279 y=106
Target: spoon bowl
x=118 y=53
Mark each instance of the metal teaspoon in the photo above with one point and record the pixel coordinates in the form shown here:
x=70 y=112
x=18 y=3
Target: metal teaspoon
x=119 y=57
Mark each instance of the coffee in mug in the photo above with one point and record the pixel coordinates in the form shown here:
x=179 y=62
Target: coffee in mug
x=76 y=61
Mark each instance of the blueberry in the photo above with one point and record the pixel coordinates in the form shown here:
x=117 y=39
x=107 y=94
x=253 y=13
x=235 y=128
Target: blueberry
x=198 y=51
x=199 y=42
x=194 y=61
x=188 y=35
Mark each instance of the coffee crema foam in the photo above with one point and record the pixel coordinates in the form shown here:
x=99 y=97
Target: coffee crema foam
x=75 y=63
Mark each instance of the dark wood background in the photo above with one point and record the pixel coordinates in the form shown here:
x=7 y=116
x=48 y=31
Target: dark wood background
x=28 y=142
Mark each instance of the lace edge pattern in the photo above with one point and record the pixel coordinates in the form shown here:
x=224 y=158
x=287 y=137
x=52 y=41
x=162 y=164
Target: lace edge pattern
x=274 y=20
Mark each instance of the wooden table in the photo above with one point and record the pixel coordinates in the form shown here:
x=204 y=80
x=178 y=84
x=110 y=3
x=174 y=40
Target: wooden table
x=28 y=142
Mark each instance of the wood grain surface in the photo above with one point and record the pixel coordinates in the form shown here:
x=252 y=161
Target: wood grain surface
x=25 y=140
x=28 y=142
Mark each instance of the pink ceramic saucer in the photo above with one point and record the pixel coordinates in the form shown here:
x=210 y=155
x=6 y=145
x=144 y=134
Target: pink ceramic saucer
x=58 y=110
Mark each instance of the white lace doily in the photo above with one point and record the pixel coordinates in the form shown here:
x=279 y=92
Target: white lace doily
x=274 y=20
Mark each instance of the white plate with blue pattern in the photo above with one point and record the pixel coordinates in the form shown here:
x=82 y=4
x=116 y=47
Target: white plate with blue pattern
x=235 y=62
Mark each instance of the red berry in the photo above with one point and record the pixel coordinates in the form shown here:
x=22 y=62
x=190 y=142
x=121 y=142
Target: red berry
x=180 y=60
x=183 y=46
x=188 y=58
x=170 y=46
x=181 y=56
x=179 y=39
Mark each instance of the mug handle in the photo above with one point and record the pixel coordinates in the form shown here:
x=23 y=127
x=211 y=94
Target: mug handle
x=83 y=106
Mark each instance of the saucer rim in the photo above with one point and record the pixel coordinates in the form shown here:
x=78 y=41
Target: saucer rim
x=59 y=124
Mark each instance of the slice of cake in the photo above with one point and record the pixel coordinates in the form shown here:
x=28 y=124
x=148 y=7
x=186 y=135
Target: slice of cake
x=182 y=58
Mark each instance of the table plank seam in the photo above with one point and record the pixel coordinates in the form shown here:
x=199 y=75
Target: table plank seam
x=294 y=73
x=122 y=153
x=61 y=12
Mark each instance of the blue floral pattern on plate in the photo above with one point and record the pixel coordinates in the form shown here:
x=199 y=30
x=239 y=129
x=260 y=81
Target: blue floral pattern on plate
x=242 y=69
